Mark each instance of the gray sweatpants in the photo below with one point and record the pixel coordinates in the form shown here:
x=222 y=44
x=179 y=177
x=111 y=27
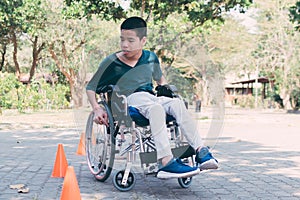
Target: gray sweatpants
x=155 y=109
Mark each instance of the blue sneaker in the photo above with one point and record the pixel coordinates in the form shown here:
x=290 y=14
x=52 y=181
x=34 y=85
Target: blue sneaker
x=176 y=169
x=205 y=160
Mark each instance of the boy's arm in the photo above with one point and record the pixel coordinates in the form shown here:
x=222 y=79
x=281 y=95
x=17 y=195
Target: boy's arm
x=91 y=95
x=162 y=81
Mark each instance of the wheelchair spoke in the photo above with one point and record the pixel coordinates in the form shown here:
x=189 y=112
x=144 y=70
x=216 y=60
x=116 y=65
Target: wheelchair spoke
x=100 y=146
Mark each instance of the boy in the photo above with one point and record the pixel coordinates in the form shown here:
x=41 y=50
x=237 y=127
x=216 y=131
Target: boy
x=133 y=70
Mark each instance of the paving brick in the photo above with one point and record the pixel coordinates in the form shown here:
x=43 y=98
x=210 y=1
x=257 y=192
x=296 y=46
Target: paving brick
x=252 y=165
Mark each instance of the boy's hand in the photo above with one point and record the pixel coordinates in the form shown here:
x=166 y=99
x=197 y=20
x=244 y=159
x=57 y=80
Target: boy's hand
x=100 y=116
x=166 y=90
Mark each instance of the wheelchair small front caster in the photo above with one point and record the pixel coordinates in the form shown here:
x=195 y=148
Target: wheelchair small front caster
x=185 y=182
x=117 y=181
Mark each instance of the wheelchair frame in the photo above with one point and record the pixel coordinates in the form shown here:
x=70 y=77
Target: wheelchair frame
x=103 y=143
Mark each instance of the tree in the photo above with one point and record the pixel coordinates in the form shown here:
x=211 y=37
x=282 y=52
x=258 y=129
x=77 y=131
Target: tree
x=21 y=18
x=10 y=25
x=278 y=53
x=66 y=47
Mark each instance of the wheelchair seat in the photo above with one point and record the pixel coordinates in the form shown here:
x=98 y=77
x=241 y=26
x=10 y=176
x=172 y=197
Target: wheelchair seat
x=140 y=120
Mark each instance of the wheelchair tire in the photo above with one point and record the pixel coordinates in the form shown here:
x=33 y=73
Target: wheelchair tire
x=100 y=146
x=185 y=182
x=117 y=181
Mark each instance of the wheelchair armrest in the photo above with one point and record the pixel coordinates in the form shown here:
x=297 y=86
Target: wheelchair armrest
x=108 y=89
x=124 y=104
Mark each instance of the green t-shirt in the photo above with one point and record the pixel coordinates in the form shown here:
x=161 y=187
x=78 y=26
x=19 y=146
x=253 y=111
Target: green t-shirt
x=113 y=71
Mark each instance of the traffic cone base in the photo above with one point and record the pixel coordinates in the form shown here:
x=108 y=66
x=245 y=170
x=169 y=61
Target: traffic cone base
x=81 y=145
x=61 y=164
x=70 y=189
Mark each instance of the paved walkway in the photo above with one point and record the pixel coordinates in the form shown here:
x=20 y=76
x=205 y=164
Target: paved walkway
x=258 y=151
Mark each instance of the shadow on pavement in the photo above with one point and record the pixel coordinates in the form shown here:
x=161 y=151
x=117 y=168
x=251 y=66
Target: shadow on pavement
x=247 y=171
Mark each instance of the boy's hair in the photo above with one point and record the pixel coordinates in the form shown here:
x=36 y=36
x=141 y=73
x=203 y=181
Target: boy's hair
x=136 y=24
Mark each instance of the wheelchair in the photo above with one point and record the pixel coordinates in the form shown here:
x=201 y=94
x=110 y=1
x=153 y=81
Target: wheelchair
x=128 y=133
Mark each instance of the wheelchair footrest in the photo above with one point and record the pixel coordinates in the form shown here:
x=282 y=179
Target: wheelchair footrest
x=178 y=152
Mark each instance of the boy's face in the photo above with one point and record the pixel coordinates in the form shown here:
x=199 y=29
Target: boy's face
x=131 y=44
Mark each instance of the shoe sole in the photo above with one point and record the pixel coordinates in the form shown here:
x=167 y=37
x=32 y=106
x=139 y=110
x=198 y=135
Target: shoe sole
x=210 y=164
x=166 y=175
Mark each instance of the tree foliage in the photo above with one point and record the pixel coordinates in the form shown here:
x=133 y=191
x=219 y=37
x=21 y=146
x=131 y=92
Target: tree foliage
x=21 y=18
x=196 y=11
x=108 y=10
x=195 y=40
x=295 y=15
x=171 y=23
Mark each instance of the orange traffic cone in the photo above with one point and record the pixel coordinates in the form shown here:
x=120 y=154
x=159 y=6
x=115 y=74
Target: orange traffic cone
x=61 y=164
x=81 y=145
x=70 y=189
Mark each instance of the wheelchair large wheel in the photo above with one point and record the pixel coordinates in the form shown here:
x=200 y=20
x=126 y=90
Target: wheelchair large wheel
x=100 y=146
x=117 y=181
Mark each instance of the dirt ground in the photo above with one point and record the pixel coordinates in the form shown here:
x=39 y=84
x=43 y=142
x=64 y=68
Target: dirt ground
x=276 y=128
x=11 y=119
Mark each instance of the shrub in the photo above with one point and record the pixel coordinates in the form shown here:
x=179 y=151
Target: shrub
x=36 y=96
x=247 y=102
x=9 y=85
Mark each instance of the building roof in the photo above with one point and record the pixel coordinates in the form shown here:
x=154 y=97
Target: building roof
x=259 y=80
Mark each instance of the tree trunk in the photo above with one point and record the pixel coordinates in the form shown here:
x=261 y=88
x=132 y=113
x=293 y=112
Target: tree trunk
x=3 y=53
x=294 y=102
x=15 y=53
x=76 y=81
x=59 y=65
x=204 y=89
x=285 y=96
x=77 y=96
x=78 y=93
x=35 y=55
x=143 y=8
x=61 y=68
